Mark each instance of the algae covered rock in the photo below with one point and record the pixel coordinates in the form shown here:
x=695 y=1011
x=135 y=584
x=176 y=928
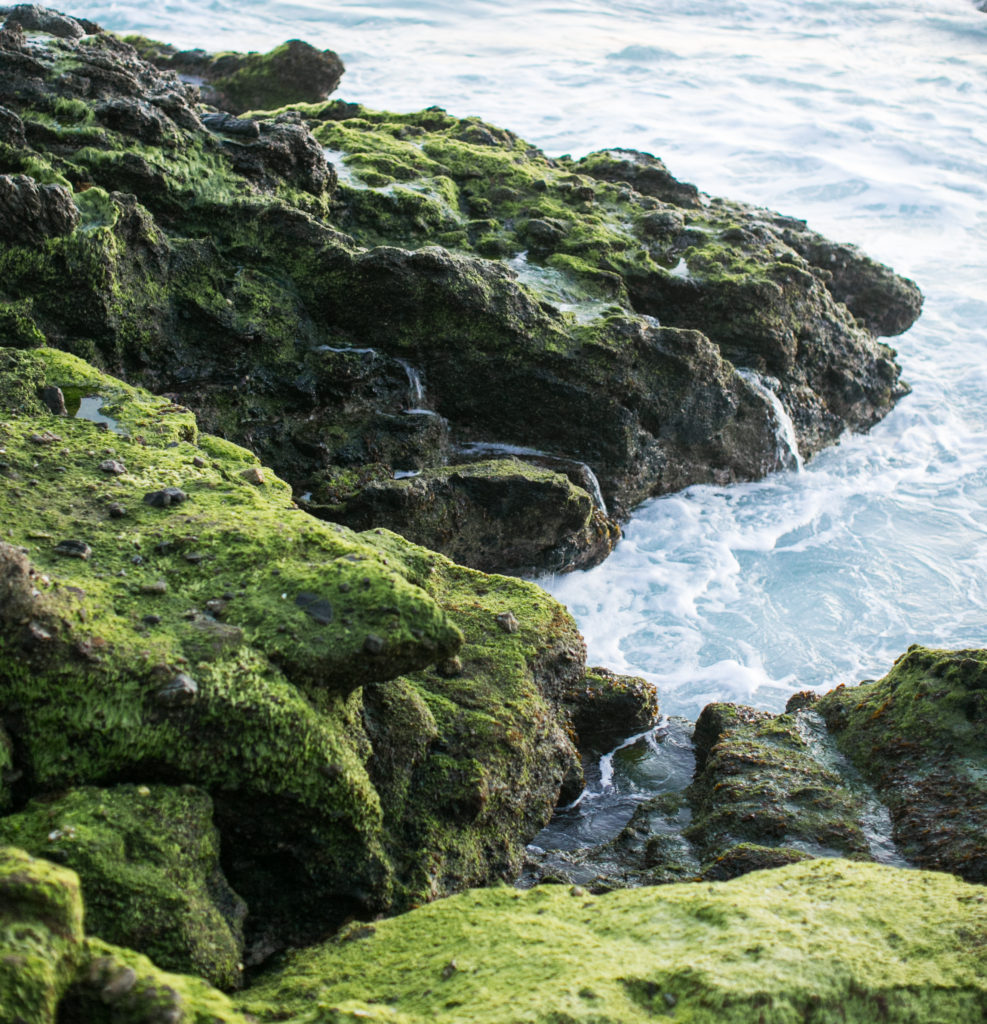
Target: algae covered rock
x=374 y=725
x=148 y=860
x=764 y=782
x=40 y=936
x=497 y=516
x=823 y=940
x=603 y=306
x=920 y=736
x=293 y=72
x=606 y=707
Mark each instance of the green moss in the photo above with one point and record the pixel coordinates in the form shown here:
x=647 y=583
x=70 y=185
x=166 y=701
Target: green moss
x=119 y=986
x=40 y=936
x=148 y=859
x=826 y=940
x=299 y=601
x=474 y=798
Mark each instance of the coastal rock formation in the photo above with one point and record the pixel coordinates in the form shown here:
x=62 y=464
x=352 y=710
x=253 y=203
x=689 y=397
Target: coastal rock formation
x=314 y=281
x=375 y=725
x=50 y=971
x=891 y=771
x=148 y=861
x=498 y=516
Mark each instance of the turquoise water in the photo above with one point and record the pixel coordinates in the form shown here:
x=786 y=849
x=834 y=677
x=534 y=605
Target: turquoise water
x=865 y=118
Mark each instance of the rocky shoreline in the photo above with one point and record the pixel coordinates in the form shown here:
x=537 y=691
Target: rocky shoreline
x=280 y=395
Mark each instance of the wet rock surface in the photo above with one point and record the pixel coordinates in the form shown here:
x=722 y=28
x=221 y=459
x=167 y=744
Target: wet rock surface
x=769 y=790
x=497 y=516
x=339 y=328
x=919 y=735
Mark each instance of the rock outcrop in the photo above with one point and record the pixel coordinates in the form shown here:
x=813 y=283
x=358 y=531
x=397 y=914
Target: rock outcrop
x=294 y=72
x=891 y=771
x=374 y=725
x=604 y=306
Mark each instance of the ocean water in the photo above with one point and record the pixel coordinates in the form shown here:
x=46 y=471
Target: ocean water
x=864 y=117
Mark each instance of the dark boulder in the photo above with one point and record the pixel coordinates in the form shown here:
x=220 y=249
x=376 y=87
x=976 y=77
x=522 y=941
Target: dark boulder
x=30 y=213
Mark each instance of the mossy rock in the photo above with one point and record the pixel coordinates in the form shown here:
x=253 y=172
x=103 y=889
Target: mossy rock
x=40 y=936
x=214 y=259
x=919 y=735
x=499 y=515
x=820 y=940
x=763 y=782
x=607 y=707
x=373 y=727
x=148 y=859
x=293 y=72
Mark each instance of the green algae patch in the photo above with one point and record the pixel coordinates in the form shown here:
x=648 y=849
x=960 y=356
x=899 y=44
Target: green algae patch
x=179 y=608
x=491 y=777
x=118 y=986
x=40 y=936
x=919 y=735
x=828 y=940
x=49 y=972
x=148 y=860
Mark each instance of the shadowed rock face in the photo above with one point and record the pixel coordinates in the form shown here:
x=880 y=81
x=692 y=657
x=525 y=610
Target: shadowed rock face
x=592 y=311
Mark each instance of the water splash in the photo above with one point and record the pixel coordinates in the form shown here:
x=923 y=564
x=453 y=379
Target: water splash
x=589 y=482
x=417 y=389
x=558 y=289
x=787 y=442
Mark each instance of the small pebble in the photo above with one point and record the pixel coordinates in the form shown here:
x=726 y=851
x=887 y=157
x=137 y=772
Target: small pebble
x=157 y=587
x=199 y=462
x=508 y=622
x=116 y=510
x=253 y=475
x=317 y=607
x=119 y=985
x=165 y=497
x=180 y=691
x=113 y=466
x=55 y=400
x=194 y=557
x=151 y=620
x=136 y=560
x=45 y=438
x=74 y=549
x=373 y=644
